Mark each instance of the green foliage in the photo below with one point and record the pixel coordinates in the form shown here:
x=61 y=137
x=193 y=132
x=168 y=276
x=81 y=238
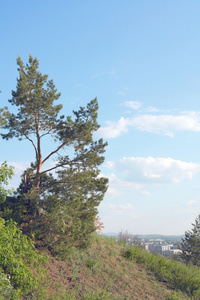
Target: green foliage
x=78 y=200
x=4 y=114
x=17 y=255
x=5 y=174
x=66 y=210
x=6 y=289
x=97 y=296
x=90 y=263
x=177 y=275
x=190 y=245
x=34 y=98
x=175 y=296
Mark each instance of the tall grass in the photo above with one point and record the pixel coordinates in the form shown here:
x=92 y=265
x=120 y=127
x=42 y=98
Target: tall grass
x=177 y=275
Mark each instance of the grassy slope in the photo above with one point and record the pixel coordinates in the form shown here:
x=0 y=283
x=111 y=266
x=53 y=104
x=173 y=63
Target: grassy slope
x=100 y=272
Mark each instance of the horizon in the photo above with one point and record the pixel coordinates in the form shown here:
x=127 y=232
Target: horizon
x=144 y=235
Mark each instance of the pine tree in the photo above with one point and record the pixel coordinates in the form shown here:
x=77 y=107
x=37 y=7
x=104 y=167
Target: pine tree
x=65 y=205
x=190 y=245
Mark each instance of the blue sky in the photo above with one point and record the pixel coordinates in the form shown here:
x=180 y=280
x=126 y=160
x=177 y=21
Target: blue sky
x=141 y=59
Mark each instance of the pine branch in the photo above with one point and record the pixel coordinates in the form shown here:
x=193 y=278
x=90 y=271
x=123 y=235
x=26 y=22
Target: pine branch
x=53 y=152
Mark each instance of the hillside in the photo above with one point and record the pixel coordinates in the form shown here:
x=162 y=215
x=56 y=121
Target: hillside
x=100 y=272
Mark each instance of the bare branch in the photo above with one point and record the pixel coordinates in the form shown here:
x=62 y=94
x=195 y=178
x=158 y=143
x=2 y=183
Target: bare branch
x=63 y=164
x=32 y=144
x=46 y=133
x=53 y=168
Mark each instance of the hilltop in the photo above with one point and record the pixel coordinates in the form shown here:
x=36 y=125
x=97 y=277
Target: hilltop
x=101 y=272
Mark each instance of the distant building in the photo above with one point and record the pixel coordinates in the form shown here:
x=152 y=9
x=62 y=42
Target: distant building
x=171 y=252
x=158 y=248
x=164 y=249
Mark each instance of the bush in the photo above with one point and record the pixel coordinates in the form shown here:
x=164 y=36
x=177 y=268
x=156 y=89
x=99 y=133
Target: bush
x=18 y=258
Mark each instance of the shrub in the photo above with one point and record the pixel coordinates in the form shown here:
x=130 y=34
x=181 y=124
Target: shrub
x=17 y=259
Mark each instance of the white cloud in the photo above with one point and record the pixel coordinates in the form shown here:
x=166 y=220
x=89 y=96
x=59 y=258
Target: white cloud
x=125 y=210
x=133 y=104
x=118 y=187
x=127 y=206
x=153 y=109
x=156 y=170
x=121 y=93
x=159 y=124
x=167 y=124
x=113 y=129
x=194 y=202
x=191 y=202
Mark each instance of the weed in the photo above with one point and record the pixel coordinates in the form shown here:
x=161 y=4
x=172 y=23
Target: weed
x=90 y=263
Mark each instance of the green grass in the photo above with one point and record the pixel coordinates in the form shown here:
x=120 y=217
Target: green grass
x=106 y=270
x=177 y=275
x=109 y=270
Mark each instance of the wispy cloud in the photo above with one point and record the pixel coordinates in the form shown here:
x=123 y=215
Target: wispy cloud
x=119 y=187
x=194 y=202
x=120 y=210
x=132 y=104
x=123 y=91
x=127 y=206
x=109 y=72
x=155 y=170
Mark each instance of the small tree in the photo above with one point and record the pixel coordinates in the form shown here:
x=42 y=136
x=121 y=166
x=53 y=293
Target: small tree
x=98 y=224
x=190 y=245
x=124 y=236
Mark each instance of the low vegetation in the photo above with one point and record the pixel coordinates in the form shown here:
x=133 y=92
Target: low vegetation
x=105 y=270
x=177 y=275
x=100 y=272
